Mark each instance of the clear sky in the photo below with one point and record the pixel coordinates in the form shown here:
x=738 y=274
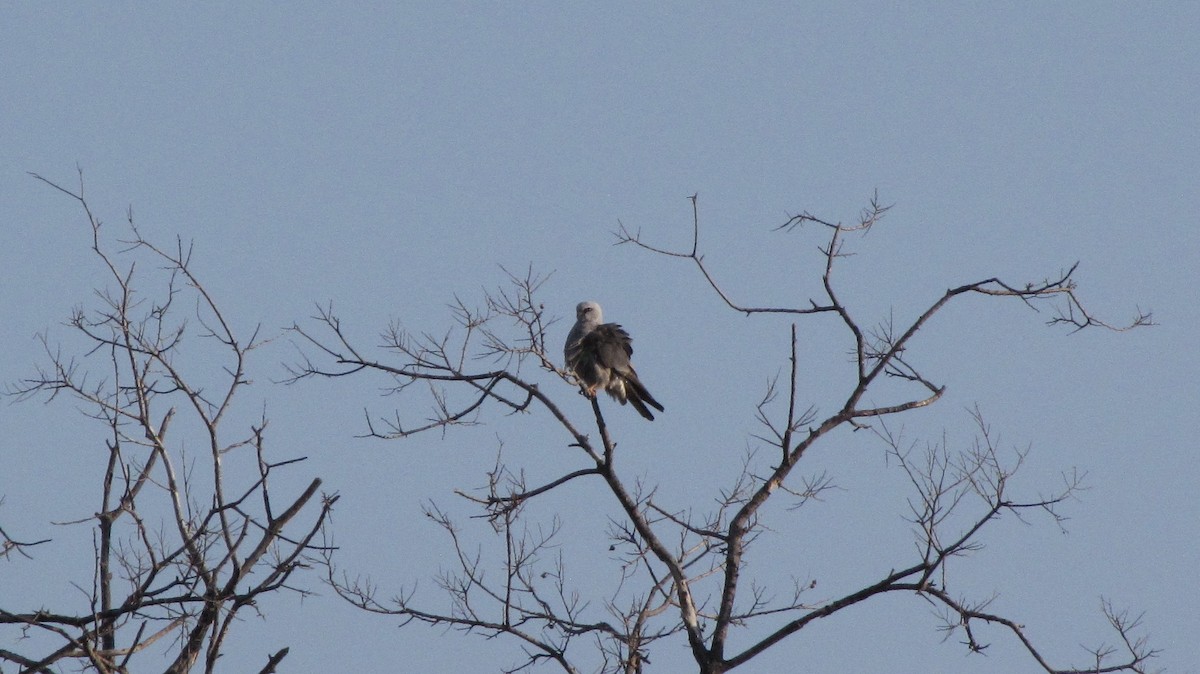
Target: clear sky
x=387 y=157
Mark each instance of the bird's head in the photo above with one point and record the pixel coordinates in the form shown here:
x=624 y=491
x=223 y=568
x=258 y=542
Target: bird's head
x=589 y=312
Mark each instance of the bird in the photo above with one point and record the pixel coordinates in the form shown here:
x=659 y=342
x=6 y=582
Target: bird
x=598 y=354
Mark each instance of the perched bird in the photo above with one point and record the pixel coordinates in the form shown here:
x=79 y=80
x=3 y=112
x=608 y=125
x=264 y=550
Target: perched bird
x=598 y=353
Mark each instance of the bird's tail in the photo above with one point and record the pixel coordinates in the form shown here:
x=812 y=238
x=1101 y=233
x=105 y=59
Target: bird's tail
x=639 y=397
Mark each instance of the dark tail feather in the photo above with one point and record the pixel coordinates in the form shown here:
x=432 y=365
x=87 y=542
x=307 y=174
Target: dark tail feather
x=639 y=405
x=640 y=397
x=645 y=396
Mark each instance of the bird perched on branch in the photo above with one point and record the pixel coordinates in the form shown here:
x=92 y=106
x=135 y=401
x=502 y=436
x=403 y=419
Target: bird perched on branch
x=598 y=353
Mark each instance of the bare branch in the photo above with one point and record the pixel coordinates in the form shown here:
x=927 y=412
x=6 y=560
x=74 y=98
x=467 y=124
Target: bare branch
x=165 y=565
x=684 y=571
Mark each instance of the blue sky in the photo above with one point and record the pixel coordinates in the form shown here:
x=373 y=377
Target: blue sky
x=386 y=158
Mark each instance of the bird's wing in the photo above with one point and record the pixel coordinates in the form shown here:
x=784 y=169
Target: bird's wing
x=600 y=358
x=587 y=317
x=610 y=346
x=573 y=347
x=615 y=349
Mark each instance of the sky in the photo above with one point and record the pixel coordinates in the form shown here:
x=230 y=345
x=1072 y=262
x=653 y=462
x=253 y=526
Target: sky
x=388 y=157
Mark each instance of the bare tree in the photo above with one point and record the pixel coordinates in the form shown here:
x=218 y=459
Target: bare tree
x=182 y=543
x=683 y=573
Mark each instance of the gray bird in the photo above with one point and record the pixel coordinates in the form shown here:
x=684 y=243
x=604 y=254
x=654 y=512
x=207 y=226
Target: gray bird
x=598 y=353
